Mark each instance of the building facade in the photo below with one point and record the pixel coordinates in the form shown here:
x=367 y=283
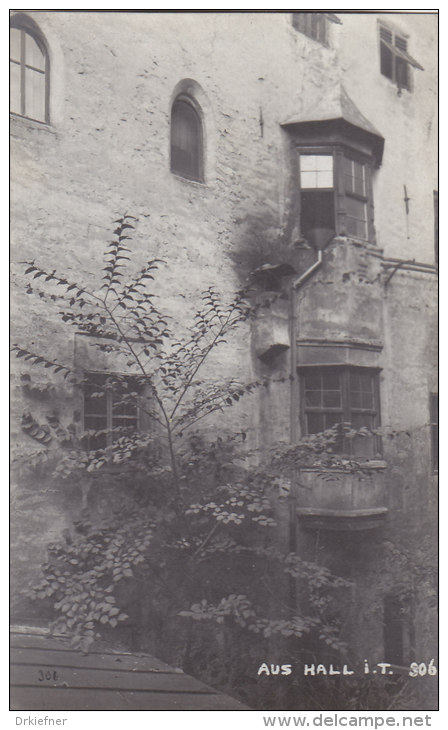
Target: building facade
x=301 y=147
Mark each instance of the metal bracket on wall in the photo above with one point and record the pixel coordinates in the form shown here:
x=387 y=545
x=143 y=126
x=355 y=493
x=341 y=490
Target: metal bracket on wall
x=395 y=269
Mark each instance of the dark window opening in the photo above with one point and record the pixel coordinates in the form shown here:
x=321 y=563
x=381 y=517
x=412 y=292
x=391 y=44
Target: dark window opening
x=395 y=61
x=110 y=408
x=186 y=141
x=325 y=177
x=436 y=225
x=314 y=25
x=434 y=424
x=345 y=396
x=317 y=211
x=394 y=629
x=29 y=72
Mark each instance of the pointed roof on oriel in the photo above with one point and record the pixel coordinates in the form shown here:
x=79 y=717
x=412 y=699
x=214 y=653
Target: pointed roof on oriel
x=335 y=105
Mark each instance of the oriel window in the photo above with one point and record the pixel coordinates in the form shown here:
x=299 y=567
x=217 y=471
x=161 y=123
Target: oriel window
x=342 y=395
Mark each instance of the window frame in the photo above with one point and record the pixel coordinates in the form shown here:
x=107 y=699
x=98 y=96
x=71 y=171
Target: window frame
x=395 y=43
x=303 y=23
x=27 y=27
x=347 y=409
x=340 y=154
x=198 y=174
x=109 y=414
x=434 y=431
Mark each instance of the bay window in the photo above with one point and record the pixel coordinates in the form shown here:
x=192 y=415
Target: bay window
x=345 y=396
x=335 y=193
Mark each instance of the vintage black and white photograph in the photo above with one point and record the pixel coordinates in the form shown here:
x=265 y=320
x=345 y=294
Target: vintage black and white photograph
x=224 y=394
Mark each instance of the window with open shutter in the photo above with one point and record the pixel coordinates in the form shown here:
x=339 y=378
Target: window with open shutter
x=395 y=61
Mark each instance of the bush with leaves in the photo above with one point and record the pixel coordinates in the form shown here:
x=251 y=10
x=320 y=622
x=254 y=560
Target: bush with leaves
x=190 y=537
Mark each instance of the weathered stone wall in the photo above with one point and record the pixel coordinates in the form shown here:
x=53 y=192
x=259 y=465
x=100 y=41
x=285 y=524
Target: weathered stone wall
x=106 y=151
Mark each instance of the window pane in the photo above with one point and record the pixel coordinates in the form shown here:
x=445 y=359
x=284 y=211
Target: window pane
x=356 y=228
x=316 y=171
x=308 y=179
x=315 y=422
x=124 y=409
x=359 y=178
x=95 y=402
x=324 y=162
x=129 y=423
x=357 y=405
x=355 y=382
x=435 y=447
x=331 y=379
x=99 y=440
x=361 y=390
x=332 y=399
x=14 y=43
x=365 y=382
x=356 y=217
x=35 y=95
x=14 y=88
x=185 y=140
x=386 y=61
x=324 y=179
x=321 y=28
x=348 y=175
x=332 y=419
x=313 y=381
x=95 y=423
x=354 y=177
x=362 y=445
x=317 y=211
x=308 y=162
x=33 y=55
x=434 y=408
x=361 y=420
x=313 y=398
x=401 y=71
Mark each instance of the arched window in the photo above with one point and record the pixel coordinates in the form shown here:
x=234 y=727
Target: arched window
x=29 y=71
x=186 y=140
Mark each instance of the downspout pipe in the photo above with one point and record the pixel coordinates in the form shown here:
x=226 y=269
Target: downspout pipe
x=295 y=286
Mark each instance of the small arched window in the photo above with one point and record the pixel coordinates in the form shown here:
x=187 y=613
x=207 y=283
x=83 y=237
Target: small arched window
x=186 y=140
x=29 y=71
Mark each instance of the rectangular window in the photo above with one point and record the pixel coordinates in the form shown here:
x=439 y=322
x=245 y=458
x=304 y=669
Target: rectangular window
x=326 y=177
x=393 y=627
x=314 y=25
x=110 y=408
x=436 y=225
x=395 y=61
x=29 y=75
x=434 y=424
x=342 y=395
